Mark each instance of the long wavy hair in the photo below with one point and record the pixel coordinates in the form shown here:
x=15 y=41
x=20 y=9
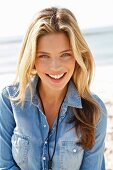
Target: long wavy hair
x=55 y=19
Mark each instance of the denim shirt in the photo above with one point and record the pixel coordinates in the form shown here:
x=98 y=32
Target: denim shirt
x=24 y=134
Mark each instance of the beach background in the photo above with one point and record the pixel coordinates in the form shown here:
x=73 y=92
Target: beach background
x=101 y=44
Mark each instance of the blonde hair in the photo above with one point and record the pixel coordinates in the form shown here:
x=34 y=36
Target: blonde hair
x=61 y=20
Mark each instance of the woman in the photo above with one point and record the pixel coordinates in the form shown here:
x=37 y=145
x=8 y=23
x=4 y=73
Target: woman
x=49 y=118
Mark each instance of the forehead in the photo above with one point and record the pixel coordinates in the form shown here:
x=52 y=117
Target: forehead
x=52 y=41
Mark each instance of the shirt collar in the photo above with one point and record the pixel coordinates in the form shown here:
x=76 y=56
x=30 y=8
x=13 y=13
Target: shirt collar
x=34 y=81
x=72 y=97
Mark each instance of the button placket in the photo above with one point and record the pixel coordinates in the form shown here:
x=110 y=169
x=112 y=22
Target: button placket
x=44 y=127
x=44 y=161
x=45 y=130
x=44 y=156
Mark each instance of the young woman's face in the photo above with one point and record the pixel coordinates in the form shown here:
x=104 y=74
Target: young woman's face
x=54 y=62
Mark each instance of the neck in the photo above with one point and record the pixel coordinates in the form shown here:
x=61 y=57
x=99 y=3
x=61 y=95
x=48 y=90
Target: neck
x=51 y=97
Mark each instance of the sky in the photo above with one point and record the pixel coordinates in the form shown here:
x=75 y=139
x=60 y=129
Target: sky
x=15 y=15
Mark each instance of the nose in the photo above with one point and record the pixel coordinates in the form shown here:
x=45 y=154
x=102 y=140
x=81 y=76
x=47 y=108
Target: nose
x=55 y=64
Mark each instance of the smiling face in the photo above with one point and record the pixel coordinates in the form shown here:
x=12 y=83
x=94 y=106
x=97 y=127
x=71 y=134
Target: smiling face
x=54 y=62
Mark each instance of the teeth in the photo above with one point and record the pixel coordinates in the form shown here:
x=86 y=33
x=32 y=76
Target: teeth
x=56 y=76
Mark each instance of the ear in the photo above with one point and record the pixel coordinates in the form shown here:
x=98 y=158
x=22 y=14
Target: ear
x=34 y=71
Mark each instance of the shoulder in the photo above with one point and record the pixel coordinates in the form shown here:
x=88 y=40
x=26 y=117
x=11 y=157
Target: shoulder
x=6 y=93
x=10 y=90
x=6 y=104
x=102 y=122
x=101 y=103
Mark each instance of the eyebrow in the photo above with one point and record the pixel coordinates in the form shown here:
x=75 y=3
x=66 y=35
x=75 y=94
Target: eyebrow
x=42 y=52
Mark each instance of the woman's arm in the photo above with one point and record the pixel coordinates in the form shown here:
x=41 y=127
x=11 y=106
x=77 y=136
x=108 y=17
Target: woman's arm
x=7 y=125
x=93 y=159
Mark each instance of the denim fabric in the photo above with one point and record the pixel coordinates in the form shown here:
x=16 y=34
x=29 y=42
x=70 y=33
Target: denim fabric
x=103 y=164
x=24 y=134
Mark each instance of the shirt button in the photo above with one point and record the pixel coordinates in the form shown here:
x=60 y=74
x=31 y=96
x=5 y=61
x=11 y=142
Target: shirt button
x=44 y=125
x=45 y=142
x=44 y=158
x=74 y=150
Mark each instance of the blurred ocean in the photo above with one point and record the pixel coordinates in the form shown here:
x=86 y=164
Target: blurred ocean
x=100 y=41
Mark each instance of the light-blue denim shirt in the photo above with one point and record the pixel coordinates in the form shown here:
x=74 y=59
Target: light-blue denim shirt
x=24 y=134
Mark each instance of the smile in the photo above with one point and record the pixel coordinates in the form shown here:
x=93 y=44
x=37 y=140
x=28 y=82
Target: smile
x=56 y=76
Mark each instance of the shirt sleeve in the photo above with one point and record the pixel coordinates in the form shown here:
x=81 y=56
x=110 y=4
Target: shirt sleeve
x=94 y=158
x=7 y=124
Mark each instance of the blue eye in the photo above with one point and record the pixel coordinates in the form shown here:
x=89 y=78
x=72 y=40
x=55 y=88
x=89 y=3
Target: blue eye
x=66 y=55
x=43 y=56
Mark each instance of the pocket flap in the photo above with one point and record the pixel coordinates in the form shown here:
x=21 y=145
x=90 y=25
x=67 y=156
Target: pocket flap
x=71 y=146
x=19 y=140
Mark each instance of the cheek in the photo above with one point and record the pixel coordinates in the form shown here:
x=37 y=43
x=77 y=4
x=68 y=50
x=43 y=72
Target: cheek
x=71 y=65
x=40 y=67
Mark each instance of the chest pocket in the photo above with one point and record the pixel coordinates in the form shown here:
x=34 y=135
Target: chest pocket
x=20 y=146
x=70 y=155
